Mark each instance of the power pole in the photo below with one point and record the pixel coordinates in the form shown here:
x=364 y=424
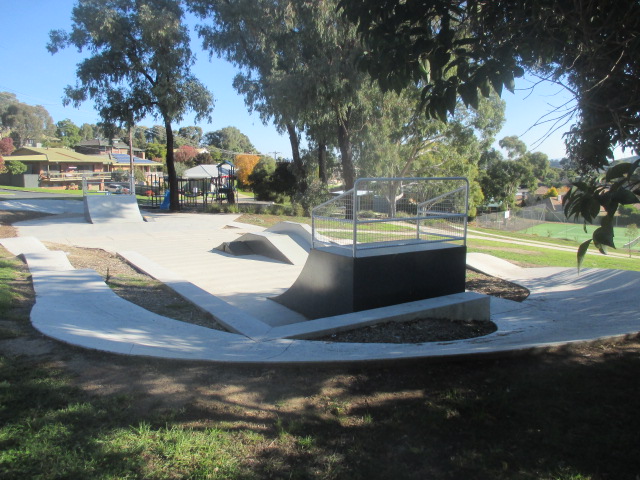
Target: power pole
x=275 y=155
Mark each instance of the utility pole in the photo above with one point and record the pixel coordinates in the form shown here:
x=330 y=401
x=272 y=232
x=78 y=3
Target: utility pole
x=275 y=155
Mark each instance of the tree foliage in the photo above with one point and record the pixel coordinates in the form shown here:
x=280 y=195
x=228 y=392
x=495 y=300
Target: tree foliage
x=298 y=69
x=468 y=48
x=230 y=139
x=25 y=122
x=139 y=65
x=244 y=168
x=185 y=155
x=68 y=132
x=6 y=146
x=15 y=167
x=620 y=185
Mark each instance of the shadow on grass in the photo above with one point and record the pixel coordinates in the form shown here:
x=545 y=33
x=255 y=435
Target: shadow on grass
x=568 y=414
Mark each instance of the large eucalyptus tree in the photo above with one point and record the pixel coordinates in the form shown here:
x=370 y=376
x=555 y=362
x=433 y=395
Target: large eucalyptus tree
x=139 y=64
x=298 y=67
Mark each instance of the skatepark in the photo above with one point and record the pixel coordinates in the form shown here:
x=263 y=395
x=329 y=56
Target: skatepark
x=181 y=250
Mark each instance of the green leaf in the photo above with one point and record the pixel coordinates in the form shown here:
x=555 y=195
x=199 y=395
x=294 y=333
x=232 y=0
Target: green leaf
x=509 y=82
x=604 y=236
x=624 y=196
x=617 y=171
x=582 y=251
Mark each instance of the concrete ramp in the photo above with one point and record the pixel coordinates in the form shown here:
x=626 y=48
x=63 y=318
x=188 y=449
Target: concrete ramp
x=299 y=232
x=112 y=209
x=283 y=248
x=287 y=242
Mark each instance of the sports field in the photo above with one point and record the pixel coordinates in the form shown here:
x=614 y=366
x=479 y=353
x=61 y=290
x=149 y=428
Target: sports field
x=575 y=232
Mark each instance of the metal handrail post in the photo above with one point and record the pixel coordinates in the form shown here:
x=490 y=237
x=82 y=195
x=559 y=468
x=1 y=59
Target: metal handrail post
x=354 y=217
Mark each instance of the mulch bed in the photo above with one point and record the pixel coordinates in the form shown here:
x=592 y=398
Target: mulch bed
x=434 y=329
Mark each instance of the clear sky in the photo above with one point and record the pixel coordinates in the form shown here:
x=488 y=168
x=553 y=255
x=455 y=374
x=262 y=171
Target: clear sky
x=38 y=78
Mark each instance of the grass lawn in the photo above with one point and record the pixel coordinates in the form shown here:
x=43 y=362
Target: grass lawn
x=574 y=232
x=539 y=256
x=569 y=413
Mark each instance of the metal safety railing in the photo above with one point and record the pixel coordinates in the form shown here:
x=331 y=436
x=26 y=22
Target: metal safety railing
x=390 y=212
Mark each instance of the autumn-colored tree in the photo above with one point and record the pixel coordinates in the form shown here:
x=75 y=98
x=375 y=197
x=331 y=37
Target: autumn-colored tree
x=3 y=168
x=185 y=154
x=6 y=146
x=244 y=167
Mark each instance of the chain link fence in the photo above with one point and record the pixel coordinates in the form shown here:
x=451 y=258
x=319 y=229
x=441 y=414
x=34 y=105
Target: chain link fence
x=522 y=219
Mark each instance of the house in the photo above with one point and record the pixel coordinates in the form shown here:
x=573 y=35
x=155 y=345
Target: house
x=64 y=168
x=60 y=167
x=122 y=162
x=106 y=147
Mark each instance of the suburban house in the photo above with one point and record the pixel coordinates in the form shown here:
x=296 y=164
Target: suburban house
x=64 y=168
x=120 y=161
x=106 y=147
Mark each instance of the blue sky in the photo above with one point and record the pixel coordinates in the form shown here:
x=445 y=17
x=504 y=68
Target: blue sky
x=38 y=78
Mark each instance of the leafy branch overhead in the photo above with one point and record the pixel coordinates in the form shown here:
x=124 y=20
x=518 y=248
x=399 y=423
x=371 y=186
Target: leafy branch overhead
x=467 y=48
x=620 y=185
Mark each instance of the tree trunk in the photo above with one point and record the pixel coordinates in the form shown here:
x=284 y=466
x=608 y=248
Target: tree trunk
x=346 y=159
x=346 y=156
x=174 y=198
x=322 y=163
x=300 y=171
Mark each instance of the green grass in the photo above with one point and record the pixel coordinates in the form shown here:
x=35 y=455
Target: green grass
x=548 y=257
x=7 y=275
x=52 y=191
x=574 y=232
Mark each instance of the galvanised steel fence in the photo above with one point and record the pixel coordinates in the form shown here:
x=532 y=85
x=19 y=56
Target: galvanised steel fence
x=392 y=212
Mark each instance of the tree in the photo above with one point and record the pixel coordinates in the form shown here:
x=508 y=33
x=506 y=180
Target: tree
x=501 y=180
x=140 y=65
x=27 y=123
x=185 y=154
x=587 y=46
x=88 y=131
x=515 y=147
x=68 y=132
x=203 y=158
x=401 y=142
x=192 y=135
x=156 y=151
x=298 y=69
x=156 y=134
x=230 y=139
x=244 y=168
x=6 y=146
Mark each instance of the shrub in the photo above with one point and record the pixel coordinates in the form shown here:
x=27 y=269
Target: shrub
x=15 y=167
x=315 y=194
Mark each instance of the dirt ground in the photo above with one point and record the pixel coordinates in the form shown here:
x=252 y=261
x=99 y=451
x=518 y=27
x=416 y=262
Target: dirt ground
x=254 y=393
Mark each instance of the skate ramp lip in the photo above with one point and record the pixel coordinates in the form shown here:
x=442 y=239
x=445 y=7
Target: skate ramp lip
x=112 y=209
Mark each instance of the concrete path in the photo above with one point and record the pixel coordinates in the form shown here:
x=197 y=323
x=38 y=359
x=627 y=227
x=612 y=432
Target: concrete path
x=562 y=308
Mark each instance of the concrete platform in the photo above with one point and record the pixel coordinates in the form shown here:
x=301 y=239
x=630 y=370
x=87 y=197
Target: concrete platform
x=563 y=307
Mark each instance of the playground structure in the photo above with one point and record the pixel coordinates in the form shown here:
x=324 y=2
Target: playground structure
x=386 y=241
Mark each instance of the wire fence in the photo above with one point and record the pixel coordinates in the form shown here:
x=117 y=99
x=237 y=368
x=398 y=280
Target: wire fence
x=390 y=212
x=522 y=219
